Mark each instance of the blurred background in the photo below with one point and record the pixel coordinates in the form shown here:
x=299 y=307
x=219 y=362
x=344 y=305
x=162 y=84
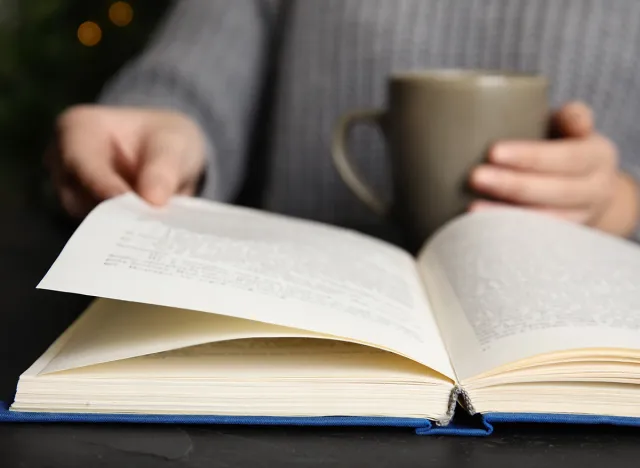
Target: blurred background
x=55 y=53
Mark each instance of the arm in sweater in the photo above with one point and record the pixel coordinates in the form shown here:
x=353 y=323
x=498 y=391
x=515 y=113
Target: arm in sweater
x=205 y=60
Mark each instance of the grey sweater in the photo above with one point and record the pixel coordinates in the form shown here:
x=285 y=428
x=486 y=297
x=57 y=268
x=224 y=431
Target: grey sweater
x=210 y=59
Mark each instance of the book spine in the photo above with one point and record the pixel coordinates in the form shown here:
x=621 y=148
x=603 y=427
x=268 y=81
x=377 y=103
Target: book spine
x=463 y=396
x=458 y=395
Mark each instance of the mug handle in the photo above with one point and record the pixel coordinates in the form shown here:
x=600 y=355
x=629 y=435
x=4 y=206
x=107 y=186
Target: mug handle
x=343 y=160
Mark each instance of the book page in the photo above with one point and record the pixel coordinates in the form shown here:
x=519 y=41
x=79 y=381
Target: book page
x=510 y=284
x=244 y=263
x=256 y=359
x=249 y=377
x=112 y=330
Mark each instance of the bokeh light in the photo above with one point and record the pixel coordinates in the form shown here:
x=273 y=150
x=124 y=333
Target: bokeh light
x=89 y=34
x=121 y=13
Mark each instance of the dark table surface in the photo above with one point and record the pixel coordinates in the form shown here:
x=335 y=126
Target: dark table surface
x=32 y=319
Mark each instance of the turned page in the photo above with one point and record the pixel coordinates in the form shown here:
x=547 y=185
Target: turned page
x=111 y=331
x=211 y=257
x=509 y=284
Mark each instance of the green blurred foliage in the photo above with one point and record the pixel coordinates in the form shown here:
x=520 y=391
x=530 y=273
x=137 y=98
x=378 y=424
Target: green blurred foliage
x=44 y=68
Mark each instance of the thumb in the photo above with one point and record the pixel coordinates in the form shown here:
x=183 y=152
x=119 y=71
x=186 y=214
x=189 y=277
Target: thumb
x=575 y=120
x=159 y=170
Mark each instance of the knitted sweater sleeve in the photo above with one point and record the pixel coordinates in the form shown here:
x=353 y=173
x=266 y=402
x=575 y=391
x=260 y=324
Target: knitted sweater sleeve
x=205 y=60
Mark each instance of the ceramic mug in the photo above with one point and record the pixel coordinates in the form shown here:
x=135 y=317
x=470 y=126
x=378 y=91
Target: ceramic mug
x=439 y=125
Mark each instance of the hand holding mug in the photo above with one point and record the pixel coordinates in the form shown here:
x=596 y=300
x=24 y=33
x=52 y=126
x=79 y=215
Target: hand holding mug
x=575 y=177
x=439 y=125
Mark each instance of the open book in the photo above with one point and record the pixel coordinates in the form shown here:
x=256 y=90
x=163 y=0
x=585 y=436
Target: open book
x=208 y=309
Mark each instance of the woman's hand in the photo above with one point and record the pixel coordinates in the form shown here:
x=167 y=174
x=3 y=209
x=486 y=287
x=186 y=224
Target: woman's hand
x=575 y=177
x=102 y=152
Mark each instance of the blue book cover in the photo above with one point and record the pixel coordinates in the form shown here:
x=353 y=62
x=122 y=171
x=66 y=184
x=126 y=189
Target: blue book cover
x=478 y=426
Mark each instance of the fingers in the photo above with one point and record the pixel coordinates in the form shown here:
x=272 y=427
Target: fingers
x=579 y=152
x=81 y=162
x=76 y=201
x=72 y=197
x=532 y=189
x=575 y=120
x=87 y=155
x=104 y=152
x=572 y=177
x=187 y=189
x=568 y=157
x=172 y=160
x=160 y=172
x=98 y=177
x=573 y=215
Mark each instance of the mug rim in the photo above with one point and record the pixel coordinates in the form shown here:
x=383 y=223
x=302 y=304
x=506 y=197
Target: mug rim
x=462 y=76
